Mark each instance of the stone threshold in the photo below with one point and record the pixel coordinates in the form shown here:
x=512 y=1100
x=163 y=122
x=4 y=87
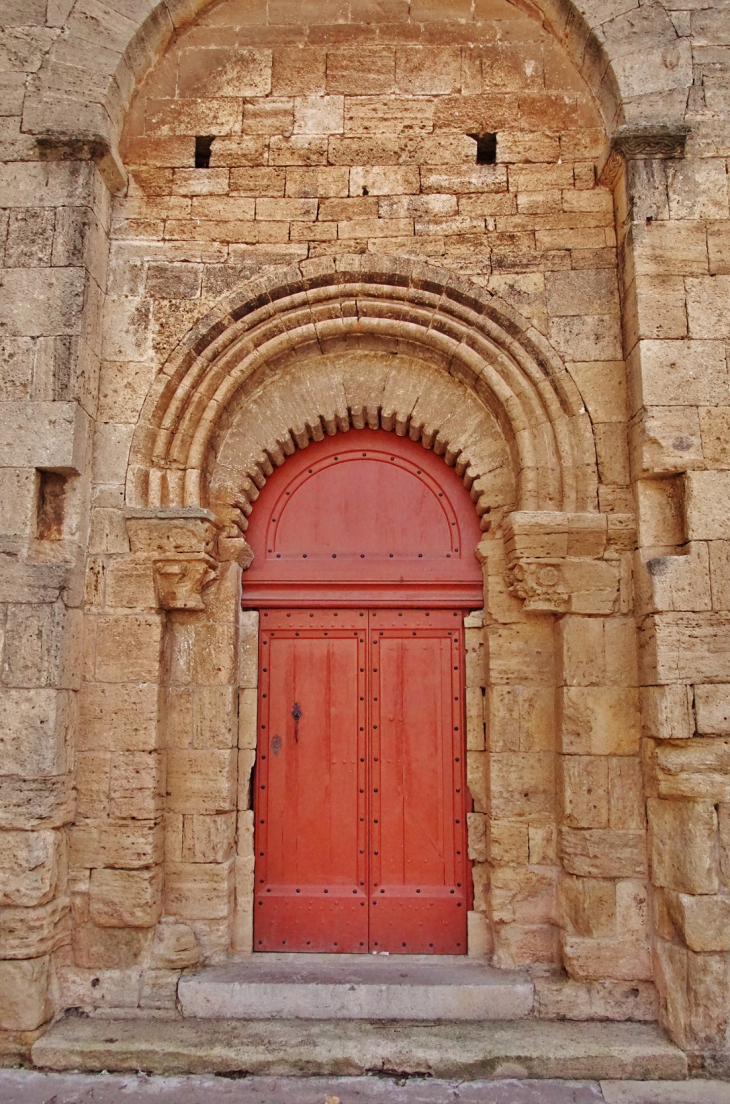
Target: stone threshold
x=356 y=987
x=462 y=1051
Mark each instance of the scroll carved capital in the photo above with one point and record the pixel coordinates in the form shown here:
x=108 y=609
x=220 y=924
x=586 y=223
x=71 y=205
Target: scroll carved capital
x=540 y=584
x=565 y=563
x=181 y=579
x=640 y=142
x=571 y=585
x=179 y=544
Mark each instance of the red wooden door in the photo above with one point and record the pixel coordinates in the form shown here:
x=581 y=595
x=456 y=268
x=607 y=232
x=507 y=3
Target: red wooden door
x=360 y=783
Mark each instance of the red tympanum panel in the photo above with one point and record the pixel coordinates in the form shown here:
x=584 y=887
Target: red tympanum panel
x=360 y=783
x=363 y=518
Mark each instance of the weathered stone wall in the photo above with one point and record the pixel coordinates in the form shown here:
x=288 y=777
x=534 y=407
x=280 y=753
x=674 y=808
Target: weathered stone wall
x=674 y=342
x=55 y=222
x=125 y=834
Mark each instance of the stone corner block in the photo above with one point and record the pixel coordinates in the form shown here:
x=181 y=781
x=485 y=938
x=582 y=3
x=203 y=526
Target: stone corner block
x=46 y=435
x=24 y=997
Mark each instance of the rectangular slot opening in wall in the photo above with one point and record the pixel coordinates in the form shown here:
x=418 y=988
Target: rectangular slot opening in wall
x=486 y=148
x=51 y=506
x=203 y=146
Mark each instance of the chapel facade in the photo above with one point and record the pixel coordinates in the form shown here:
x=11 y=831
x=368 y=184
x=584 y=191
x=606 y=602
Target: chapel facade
x=365 y=432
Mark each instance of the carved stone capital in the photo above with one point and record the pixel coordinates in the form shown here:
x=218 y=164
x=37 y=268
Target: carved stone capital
x=640 y=142
x=565 y=586
x=540 y=584
x=181 y=579
x=564 y=563
x=169 y=529
x=181 y=544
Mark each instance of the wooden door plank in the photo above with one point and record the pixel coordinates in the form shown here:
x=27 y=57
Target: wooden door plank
x=419 y=876
x=310 y=808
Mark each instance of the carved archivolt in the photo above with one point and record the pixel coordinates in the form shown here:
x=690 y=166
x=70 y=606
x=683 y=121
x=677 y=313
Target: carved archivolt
x=329 y=393
x=382 y=306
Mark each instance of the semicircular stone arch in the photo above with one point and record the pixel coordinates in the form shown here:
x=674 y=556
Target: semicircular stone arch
x=605 y=47
x=358 y=388
x=494 y=398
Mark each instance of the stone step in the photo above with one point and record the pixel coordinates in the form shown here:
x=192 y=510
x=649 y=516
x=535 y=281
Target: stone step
x=460 y=1051
x=356 y=987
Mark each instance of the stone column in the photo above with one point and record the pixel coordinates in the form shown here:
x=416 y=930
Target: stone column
x=574 y=567
x=248 y=676
x=54 y=231
x=199 y=716
x=673 y=224
x=152 y=844
x=516 y=883
x=480 y=943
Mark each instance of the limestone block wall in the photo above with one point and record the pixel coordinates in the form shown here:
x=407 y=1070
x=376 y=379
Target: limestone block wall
x=337 y=134
x=353 y=138
x=569 y=875
x=677 y=391
x=53 y=228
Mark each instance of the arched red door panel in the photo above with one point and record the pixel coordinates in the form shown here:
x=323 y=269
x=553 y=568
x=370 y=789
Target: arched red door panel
x=364 y=563
x=365 y=517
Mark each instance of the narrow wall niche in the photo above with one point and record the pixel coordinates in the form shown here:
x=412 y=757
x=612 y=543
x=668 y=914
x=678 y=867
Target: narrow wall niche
x=51 y=505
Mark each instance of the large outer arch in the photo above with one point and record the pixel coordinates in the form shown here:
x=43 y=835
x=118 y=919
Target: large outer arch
x=470 y=335
x=70 y=99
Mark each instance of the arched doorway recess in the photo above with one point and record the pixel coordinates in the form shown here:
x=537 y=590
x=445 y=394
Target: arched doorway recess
x=313 y=353
x=364 y=565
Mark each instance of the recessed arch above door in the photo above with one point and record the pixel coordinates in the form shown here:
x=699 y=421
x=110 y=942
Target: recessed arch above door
x=364 y=517
x=492 y=366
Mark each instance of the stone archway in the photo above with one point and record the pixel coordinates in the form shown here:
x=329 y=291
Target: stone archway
x=391 y=303
x=270 y=369
x=635 y=75
x=637 y=64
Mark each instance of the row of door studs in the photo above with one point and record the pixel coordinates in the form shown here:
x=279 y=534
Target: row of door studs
x=362 y=614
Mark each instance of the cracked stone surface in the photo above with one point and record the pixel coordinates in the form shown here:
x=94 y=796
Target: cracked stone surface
x=32 y=1087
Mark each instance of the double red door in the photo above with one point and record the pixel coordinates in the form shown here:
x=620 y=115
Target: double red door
x=360 y=790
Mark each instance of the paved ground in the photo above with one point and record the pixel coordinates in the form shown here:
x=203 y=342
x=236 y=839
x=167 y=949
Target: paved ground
x=29 y=1087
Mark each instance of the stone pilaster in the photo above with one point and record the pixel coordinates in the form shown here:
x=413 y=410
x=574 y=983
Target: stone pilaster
x=55 y=223
x=574 y=566
x=669 y=222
